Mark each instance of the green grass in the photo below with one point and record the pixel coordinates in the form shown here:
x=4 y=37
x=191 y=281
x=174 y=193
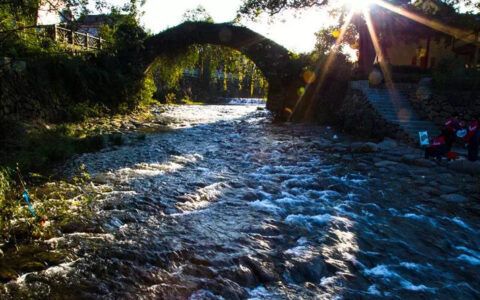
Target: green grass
x=38 y=148
x=188 y=101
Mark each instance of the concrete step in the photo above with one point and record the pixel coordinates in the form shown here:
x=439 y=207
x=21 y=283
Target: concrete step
x=396 y=109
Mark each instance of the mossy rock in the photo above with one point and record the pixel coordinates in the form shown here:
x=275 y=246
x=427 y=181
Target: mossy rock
x=7 y=274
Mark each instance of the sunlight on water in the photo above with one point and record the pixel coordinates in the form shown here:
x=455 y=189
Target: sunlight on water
x=227 y=205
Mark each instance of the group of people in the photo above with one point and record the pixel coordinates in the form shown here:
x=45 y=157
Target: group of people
x=456 y=130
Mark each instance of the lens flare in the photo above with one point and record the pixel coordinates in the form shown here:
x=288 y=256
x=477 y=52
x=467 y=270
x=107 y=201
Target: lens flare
x=362 y=7
x=357 y=5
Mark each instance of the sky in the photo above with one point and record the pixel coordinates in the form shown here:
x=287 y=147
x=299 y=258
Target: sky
x=294 y=30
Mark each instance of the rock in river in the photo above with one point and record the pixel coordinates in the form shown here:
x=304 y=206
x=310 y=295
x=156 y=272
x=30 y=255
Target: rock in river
x=454 y=198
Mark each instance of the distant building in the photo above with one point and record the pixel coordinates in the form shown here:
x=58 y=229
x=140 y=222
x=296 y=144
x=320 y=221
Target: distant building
x=408 y=43
x=427 y=52
x=92 y=24
x=51 y=12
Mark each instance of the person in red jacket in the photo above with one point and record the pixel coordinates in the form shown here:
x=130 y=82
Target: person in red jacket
x=472 y=139
x=437 y=148
x=449 y=131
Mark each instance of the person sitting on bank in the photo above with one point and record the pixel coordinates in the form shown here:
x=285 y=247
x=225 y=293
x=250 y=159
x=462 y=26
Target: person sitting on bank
x=472 y=140
x=450 y=130
x=437 y=148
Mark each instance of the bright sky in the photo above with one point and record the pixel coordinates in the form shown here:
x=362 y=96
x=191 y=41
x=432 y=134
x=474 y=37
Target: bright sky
x=294 y=32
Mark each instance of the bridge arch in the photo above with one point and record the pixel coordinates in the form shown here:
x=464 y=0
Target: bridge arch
x=272 y=59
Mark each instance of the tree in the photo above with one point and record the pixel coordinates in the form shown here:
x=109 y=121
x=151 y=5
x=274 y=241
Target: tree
x=198 y=14
x=447 y=8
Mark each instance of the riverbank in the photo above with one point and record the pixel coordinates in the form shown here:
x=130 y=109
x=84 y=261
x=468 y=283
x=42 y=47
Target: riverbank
x=283 y=209
x=60 y=204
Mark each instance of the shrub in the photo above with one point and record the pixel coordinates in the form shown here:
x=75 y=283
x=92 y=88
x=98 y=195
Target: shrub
x=451 y=74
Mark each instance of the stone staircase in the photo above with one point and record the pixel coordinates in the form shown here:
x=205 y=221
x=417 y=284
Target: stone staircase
x=395 y=108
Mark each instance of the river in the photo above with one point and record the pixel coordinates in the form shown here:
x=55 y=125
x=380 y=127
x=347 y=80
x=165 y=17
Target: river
x=225 y=204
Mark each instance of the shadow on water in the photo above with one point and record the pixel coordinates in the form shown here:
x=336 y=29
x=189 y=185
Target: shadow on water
x=242 y=208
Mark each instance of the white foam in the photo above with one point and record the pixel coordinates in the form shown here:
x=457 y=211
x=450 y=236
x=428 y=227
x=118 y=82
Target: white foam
x=302 y=241
x=373 y=290
x=299 y=251
x=420 y=218
x=380 y=271
x=460 y=223
x=474 y=261
x=393 y=211
x=328 y=280
x=266 y=205
x=307 y=221
x=411 y=266
x=246 y=101
x=322 y=219
x=469 y=251
x=290 y=200
x=259 y=293
x=412 y=287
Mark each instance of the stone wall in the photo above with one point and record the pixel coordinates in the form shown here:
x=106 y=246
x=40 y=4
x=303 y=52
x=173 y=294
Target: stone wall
x=20 y=99
x=438 y=106
x=358 y=117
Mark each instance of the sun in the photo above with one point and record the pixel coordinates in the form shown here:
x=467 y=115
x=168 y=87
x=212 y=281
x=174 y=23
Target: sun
x=357 y=5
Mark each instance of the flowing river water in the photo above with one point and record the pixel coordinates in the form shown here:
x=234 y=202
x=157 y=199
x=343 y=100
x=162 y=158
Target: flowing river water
x=227 y=205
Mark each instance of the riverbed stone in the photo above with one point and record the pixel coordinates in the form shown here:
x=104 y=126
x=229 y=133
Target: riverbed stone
x=368 y=147
x=447 y=189
x=424 y=163
x=465 y=166
x=304 y=270
x=387 y=144
x=101 y=178
x=431 y=190
x=385 y=163
x=362 y=167
x=456 y=198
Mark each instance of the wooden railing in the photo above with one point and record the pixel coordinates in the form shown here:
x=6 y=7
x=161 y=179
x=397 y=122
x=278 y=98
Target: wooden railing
x=78 y=40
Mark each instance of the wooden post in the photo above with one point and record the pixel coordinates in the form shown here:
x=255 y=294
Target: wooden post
x=427 y=53
x=477 y=52
x=55 y=35
x=86 y=41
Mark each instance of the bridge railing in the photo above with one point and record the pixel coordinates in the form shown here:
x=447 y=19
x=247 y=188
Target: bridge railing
x=77 y=40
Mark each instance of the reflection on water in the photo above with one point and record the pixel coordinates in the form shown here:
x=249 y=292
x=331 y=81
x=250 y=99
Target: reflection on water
x=225 y=204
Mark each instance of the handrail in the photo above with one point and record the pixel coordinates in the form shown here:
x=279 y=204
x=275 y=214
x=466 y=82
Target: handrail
x=84 y=40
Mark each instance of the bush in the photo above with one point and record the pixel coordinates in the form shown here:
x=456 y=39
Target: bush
x=451 y=74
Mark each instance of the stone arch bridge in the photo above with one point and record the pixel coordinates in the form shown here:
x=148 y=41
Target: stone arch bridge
x=275 y=62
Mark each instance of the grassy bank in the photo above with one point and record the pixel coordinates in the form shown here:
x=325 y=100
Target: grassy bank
x=37 y=149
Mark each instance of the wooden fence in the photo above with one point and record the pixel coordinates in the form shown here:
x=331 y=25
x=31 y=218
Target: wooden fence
x=75 y=39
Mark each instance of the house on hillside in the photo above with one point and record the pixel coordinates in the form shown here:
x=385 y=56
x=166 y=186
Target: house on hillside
x=409 y=43
x=427 y=52
x=52 y=12
x=92 y=24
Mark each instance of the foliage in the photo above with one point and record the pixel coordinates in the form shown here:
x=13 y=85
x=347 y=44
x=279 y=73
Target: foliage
x=390 y=26
x=255 y=7
x=333 y=90
x=197 y=14
x=76 y=88
x=204 y=71
x=56 y=206
x=321 y=98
